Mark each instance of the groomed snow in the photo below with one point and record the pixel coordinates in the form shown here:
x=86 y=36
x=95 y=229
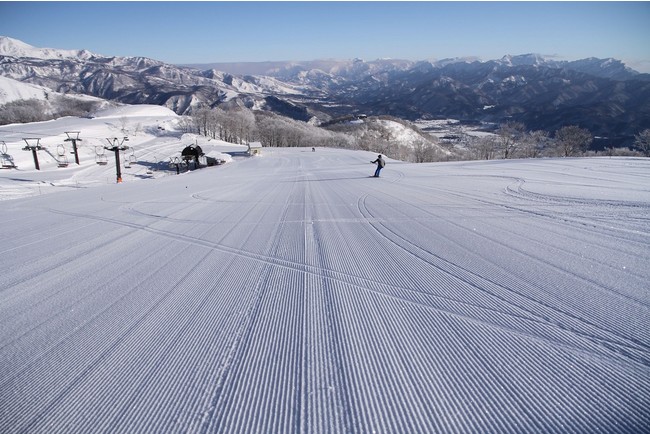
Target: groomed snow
x=293 y=293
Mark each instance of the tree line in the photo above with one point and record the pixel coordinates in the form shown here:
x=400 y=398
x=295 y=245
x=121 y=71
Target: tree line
x=35 y=110
x=243 y=125
x=509 y=140
x=512 y=140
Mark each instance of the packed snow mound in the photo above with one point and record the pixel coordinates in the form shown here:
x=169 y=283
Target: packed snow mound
x=135 y=111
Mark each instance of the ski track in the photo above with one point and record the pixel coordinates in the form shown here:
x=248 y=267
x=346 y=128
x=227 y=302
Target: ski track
x=292 y=293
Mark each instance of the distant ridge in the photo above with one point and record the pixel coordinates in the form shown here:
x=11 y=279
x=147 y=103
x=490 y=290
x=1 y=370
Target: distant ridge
x=602 y=95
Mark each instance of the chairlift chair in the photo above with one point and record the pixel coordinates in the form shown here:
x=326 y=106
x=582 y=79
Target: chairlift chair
x=130 y=159
x=62 y=161
x=101 y=159
x=6 y=162
x=100 y=156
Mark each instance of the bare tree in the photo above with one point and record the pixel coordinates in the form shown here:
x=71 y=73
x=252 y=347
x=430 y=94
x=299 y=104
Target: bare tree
x=572 y=140
x=642 y=141
x=423 y=151
x=124 y=123
x=202 y=120
x=533 y=143
x=243 y=121
x=483 y=148
x=510 y=135
x=186 y=124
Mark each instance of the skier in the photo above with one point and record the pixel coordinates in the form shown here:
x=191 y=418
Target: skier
x=380 y=165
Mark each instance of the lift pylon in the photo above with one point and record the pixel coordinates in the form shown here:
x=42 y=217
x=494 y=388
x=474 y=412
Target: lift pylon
x=73 y=136
x=116 y=146
x=33 y=144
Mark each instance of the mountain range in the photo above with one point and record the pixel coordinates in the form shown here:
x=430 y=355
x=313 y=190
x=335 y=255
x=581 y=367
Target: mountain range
x=601 y=95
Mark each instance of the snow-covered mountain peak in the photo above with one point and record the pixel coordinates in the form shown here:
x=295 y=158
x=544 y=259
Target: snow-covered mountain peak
x=530 y=59
x=15 y=48
x=450 y=61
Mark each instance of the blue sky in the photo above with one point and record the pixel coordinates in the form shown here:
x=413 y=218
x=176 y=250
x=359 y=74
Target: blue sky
x=204 y=32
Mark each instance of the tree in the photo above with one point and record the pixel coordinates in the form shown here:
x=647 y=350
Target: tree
x=243 y=124
x=483 y=148
x=186 y=124
x=202 y=119
x=124 y=123
x=534 y=142
x=572 y=140
x=510 y=135
x=423 y=151
x=642 y=141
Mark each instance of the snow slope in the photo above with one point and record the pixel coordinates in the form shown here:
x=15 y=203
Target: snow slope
x=155 y=138
x=12 y=90
x=293 y=293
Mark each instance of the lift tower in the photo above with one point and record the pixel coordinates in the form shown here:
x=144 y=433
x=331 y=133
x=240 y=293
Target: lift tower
x=116 y=147
x=33 y=145
x=73 y=136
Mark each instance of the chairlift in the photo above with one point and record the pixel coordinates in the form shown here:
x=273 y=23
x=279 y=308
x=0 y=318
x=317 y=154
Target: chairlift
x=62 y=161
x=130 y=159
x=151 y=168
x=154 y=167
x=6 y=162
x=101 y=159
x=100 y=156
x=175 y=163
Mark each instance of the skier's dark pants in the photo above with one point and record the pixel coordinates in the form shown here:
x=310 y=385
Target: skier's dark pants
x=377 y=171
